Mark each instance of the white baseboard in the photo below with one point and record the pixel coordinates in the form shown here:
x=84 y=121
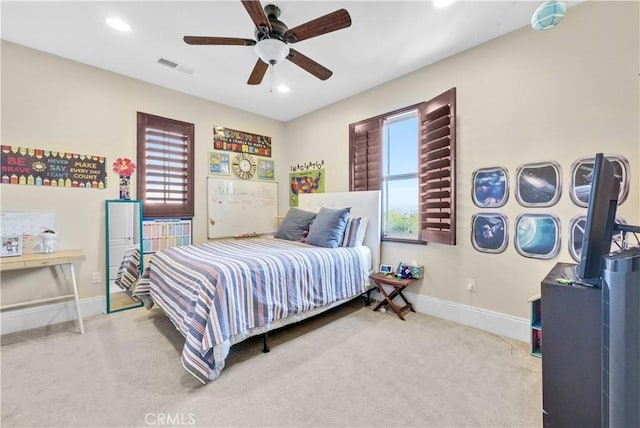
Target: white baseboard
x=494 y=322
x=483 y=319
x=39 y=316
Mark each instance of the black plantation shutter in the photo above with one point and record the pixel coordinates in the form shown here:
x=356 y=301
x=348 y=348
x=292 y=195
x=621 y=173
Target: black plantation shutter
x=365 y=154
x=165 y=166
x=437 y=174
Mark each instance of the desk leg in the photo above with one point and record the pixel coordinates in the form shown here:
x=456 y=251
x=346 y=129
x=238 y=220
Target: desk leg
x=76 y=296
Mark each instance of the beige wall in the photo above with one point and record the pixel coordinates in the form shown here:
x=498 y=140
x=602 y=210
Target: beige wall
x=52 y=103
x=529 y=96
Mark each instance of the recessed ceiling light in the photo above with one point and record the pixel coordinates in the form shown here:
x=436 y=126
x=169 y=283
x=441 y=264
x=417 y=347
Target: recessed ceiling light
x=118 y=24
x=283 y=88
x=442 y=3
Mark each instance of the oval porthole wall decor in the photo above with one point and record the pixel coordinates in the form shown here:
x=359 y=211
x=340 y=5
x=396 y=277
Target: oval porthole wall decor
x=537 y=235
x=576 y=235
x=581 y=174
x=490 y=187
x=538 y=184
x=489 y=232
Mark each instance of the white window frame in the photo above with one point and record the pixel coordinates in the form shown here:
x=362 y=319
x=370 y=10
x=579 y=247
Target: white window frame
x=388 y=178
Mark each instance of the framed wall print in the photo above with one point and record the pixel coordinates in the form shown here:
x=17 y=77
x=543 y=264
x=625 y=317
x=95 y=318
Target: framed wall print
x=11 y=246
x=581 y=174
x=490 y=187
x=489 y=232
x=537 y=235
x=265 y=169
x=218 y=163
x=538 y=184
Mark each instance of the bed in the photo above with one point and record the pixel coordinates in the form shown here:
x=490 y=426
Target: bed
x=221 y=292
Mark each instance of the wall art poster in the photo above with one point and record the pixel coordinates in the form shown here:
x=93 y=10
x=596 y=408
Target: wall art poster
x=305 y=182
x=265 y=169
x=490 y=187
x=489 y=232
x=581 y=176
x=537 y=235
x=37 y=167
x=538 y=184
x=218 y=163
x=231 y=140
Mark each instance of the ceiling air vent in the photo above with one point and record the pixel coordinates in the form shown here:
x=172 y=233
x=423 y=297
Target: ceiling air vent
x=174 y=65
x=167 y=63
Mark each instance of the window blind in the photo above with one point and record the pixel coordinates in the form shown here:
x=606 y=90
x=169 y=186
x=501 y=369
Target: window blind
x=165 y=166
x=365 y=151
x=437 y=174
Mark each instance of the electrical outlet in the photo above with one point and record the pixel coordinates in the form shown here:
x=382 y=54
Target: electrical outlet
x=471 y=284
x=96 y=278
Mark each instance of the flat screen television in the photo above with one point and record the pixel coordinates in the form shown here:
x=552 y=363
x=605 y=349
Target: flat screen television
x=601 y=215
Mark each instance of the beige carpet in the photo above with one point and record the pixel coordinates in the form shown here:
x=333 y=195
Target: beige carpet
x=350 y=367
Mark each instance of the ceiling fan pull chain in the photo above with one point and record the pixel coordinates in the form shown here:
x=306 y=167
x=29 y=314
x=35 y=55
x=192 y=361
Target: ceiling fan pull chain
x=271 y=77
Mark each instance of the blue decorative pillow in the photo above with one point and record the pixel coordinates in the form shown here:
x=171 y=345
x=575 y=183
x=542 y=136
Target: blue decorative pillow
x=355 y=231
x=295 y=224
x=327 y=230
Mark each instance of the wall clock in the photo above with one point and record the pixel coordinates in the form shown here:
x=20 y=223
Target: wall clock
x=244 y=166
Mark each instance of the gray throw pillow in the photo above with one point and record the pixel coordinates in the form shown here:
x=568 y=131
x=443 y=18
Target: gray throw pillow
x=295 y=224
x=327 y=230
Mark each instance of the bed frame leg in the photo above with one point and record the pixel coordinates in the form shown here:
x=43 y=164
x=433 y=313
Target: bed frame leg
x=265 y=346
x=367 y=298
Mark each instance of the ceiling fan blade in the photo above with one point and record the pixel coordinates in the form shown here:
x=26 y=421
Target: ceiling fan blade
x=309 y=65
x=258 y=72
x=325 y=24
x=204 y=40
x=254 y=9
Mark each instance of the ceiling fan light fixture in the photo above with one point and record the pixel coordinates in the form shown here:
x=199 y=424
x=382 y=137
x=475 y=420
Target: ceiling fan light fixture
x=271 y=51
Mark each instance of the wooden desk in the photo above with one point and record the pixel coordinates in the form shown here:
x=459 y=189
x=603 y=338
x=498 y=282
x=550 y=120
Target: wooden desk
x=39 y=260
x=398 y=285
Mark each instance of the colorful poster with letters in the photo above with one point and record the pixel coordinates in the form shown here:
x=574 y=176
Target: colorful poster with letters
x=231 y=140
x=37 y=167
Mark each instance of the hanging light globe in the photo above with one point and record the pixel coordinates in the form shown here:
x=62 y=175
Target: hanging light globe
x=548 y=15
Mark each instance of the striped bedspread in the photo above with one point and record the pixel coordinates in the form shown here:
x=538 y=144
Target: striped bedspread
x=219 y=293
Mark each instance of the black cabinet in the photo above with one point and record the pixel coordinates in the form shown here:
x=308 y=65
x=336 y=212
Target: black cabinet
x=572 y=347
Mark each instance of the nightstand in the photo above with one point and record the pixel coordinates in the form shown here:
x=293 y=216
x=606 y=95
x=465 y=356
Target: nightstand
x=398 y=285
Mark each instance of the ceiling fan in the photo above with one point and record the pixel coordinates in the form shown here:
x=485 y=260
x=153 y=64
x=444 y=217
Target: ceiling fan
x=273 y=36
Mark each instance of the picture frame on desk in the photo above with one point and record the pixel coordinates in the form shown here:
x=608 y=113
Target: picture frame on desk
x=11 y=246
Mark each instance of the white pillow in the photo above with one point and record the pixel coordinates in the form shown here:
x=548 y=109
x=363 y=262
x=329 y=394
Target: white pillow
x=355 y=231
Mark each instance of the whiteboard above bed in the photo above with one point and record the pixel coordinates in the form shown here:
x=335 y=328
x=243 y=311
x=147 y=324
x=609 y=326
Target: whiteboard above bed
x=363 y=204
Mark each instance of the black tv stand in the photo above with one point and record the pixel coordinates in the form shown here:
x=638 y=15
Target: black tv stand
x=571 y=362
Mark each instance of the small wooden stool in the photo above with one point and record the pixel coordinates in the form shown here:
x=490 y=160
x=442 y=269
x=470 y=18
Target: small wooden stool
x=398 y=285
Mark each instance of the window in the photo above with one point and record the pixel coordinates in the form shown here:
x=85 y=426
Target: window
x=409 y=154
x=400 y=176
x=165 y=166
